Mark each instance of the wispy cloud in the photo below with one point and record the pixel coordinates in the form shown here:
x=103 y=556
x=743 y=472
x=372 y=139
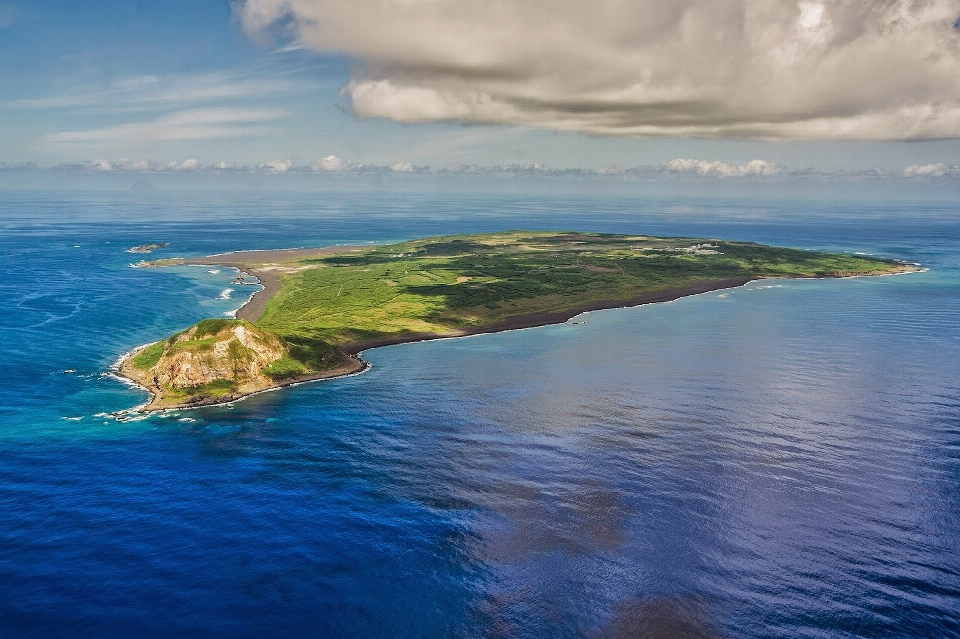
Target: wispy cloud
x=767 y=69
x=194 y=124
x=290 y=48
x=149 y=92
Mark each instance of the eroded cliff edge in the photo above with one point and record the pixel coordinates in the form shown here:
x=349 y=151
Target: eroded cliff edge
x=221 y=360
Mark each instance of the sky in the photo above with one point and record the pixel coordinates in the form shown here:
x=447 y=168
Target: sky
x=732 y=89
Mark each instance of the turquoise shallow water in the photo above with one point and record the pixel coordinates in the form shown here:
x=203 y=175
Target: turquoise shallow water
x=777 y=460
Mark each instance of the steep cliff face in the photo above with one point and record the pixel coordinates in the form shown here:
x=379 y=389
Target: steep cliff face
x=220 y=360
x=213 y=359
x=238 y=352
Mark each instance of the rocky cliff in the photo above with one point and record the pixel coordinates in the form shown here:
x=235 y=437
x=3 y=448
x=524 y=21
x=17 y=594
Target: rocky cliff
x=212 y=361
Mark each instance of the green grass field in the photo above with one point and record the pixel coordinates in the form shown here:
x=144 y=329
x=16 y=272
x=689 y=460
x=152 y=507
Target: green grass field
x=439 y=285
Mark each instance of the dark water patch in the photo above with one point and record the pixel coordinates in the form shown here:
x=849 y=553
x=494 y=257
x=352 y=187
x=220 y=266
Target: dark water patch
x=660 y=619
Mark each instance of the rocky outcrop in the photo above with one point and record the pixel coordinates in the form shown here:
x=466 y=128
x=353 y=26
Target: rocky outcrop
x=239 y=352
x=221 y=360
x=148 y=248
x=214 y=361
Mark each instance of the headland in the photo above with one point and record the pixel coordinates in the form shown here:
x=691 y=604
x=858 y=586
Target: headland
x=319 y=308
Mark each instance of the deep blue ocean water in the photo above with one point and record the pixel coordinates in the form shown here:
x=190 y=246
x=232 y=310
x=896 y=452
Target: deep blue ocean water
x=778 y=460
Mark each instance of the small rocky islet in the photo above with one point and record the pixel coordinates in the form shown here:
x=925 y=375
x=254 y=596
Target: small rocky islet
x=148 y=248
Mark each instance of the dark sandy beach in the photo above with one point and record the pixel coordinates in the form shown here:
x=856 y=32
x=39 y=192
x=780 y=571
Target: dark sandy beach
x=260 y=264
x=531 y=320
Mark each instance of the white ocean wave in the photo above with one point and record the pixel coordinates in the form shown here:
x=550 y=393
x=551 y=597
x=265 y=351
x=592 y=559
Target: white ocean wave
x=225 y=294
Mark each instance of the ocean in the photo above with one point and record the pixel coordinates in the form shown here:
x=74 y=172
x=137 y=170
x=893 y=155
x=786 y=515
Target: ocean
x=776 y=460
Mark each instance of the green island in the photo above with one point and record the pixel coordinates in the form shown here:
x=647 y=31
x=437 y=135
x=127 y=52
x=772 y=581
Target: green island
x=319 y=308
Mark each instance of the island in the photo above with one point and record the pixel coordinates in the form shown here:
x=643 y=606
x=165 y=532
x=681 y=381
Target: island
x=319 y=308
x=148 y=248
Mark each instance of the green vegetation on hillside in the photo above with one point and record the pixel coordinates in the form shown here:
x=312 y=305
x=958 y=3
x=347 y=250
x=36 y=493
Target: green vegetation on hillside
x=214 y=358
x=216 y=388
x=438 y=285
x=149 y=356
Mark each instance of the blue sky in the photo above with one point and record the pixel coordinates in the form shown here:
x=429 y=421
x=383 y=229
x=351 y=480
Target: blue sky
x=297 y=81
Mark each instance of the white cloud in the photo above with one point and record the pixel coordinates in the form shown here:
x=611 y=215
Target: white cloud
x=402 y=167
x=276 y=166
x=329 y=163
x=193 y=124
x=722 y=169
x=187 y=165
x=930 y=170
x=135 y=165
x=772 y=69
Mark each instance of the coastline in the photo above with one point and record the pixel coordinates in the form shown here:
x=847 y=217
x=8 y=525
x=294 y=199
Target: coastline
x=251 y=311
x=549 y=318
x=353 y=364
x=268 y=271
x=253 y=308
